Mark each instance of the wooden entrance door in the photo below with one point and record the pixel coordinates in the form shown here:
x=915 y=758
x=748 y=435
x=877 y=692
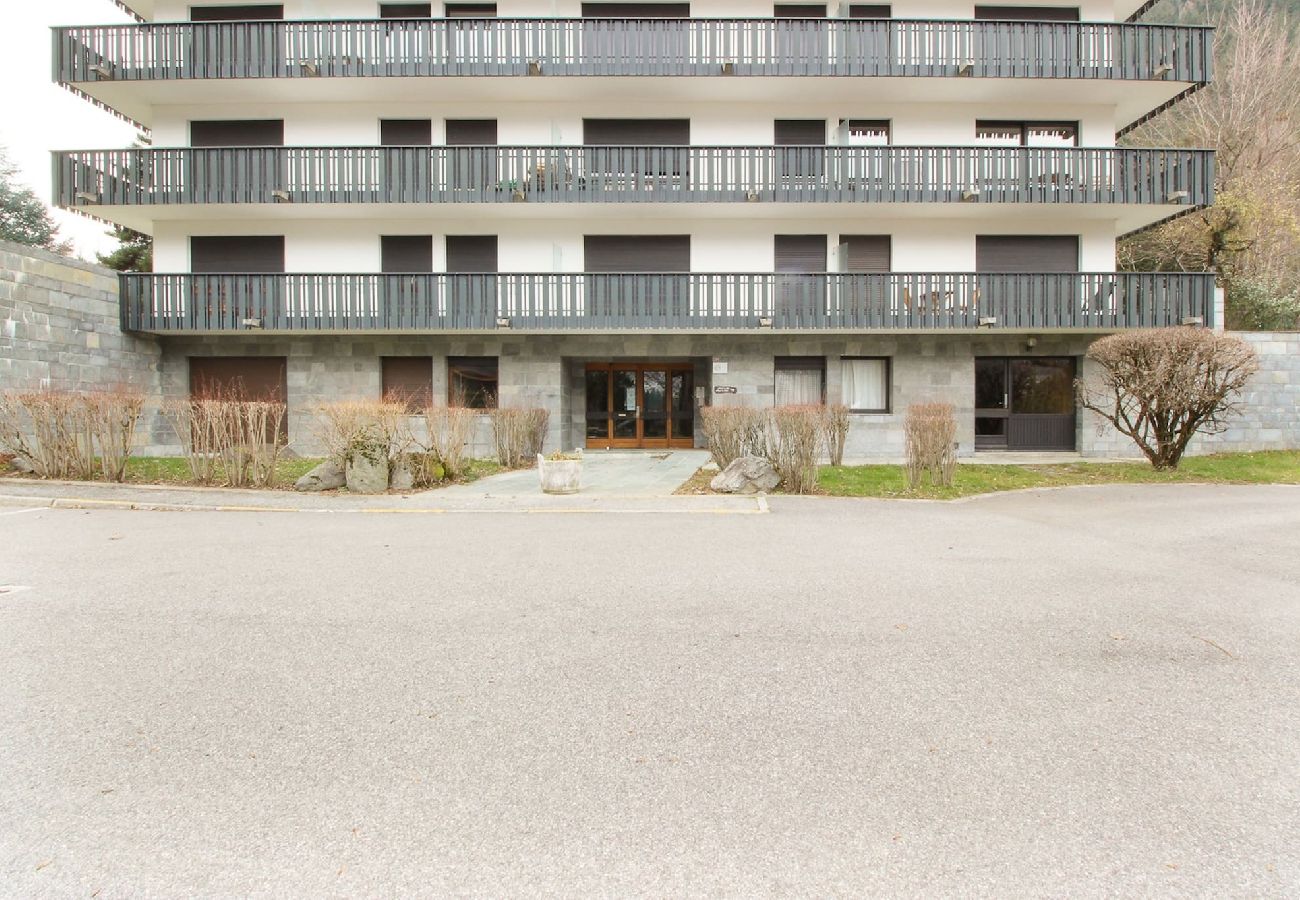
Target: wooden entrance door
x=640 y=405
x=1024 y=403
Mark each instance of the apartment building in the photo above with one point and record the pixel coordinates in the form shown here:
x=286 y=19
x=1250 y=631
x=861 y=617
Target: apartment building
x=625 y=211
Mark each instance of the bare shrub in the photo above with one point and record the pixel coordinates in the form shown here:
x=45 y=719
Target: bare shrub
x=1162 y=386
x=448 y=430
x=519 y=434
x=794 y=437
x=834 y=426
x=349 y=426
x=930 y=432
x=60 y=432
x=112 y=417
x=733 y=432
x=236 y=442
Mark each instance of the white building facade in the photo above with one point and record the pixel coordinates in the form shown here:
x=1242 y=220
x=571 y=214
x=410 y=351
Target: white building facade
x=625 y=211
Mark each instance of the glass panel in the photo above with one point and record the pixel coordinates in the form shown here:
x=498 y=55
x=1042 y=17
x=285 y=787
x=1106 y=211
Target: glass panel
x=472 y=381
x=1062 y=134
x=683 y=405
x=990 y=384
x=798 y=387
x=1042 y=385
x=624 y=404
x=654 y=411
x=999 y=134
x=866 y=384
x=598 y=403
x=868 y=133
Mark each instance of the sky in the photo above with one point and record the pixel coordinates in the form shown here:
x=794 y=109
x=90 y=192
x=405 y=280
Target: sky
x=37 y=116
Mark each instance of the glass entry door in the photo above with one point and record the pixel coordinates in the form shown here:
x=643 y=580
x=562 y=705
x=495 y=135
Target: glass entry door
x=640 y=405
x=1024 y=403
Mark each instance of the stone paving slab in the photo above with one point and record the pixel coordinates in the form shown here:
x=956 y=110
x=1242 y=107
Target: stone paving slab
x=606 y=473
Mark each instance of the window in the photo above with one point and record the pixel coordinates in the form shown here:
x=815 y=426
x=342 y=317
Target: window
x=1027 y=134
x=409 y=380
x=866 y=132
x=800 y=380
x=472 y=381
x=866 y=384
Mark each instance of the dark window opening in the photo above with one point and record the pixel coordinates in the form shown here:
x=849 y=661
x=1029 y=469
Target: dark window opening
x=408 y=380
x=405 y=10
x=261 y=12
x=405 y=132
x=1027 y=134
x=472 y=381
x=1028 y=13
x=237 y=254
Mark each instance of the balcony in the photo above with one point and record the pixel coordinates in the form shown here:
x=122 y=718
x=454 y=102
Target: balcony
x=104 y=60
x=667 y=302
x=1167 y=180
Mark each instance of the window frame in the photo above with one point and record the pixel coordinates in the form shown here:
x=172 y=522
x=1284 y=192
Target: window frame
x=455 y=362
x=414 y=405
x=889 y=386
x=1024 y=126
x=887 y=125
x=799 y=364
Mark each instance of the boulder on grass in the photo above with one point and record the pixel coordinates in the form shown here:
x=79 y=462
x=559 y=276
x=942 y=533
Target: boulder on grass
x=367 y=472
x=20 y=464
x=746 y=475
x=328 y=476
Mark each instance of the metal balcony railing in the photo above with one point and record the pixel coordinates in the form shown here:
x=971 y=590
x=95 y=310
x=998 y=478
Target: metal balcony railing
x=697 y=47
x=587 y=302
x=165 y=177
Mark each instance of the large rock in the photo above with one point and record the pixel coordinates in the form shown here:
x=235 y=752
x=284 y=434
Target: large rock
x=402 y=476
x=746 y=475
x=328 y=476
x=367 y=472
x=20 y=464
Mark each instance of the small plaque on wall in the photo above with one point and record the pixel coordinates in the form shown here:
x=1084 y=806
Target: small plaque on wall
x=724 y=388
x=719 y=367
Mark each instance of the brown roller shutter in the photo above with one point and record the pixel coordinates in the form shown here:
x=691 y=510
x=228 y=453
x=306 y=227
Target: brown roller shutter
x=470 y=10
x=261 y=12
x=239 y=377
x=1028 y=13
x=795 y=132
x=865 y=252
x=801 y=253
x=405 y=10
x=406 y=253
x=632 y=132
x=408 y=379
x=799 y=11
x=636 y=10
x=869 y=11
x=1027 y=253
x=471 y=131
x=237 y=254
x=405 y=132
x=237 y=133
x=637 y=253
x=472 y=253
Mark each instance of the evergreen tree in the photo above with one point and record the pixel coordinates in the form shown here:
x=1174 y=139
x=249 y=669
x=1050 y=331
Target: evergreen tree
x=24 y=219
x=135 y=253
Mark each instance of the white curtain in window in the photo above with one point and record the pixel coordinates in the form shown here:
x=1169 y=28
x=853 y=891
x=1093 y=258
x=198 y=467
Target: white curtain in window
x=866 y=384
x=798 y=386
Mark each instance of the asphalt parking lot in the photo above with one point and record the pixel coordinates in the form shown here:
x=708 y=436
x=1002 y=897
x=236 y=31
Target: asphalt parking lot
x=1078 y=693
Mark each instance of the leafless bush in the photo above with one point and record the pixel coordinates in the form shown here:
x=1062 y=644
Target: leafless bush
x=733 y=432
x=112 y=417
x=930 y=432
x=834 y=425
x=347 y=426
x=794 y=436
x=519 y=434
x=1163 y=386
x=449 y=429
x=237 y=442
x=59 y=432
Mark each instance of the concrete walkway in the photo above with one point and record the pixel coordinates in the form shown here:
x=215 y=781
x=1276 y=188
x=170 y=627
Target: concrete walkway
x=605 y=473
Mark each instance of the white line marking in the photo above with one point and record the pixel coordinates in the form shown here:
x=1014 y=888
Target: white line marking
x=18 y=512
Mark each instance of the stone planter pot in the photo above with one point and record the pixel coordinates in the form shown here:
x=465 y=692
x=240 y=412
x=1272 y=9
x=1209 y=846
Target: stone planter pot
x=560 y=476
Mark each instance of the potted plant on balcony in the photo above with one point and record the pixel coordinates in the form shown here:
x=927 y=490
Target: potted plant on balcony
x=560 y=473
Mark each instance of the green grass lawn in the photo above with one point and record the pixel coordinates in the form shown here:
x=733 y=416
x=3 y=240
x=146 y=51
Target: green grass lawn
x=1274 y=467
x=176 y=471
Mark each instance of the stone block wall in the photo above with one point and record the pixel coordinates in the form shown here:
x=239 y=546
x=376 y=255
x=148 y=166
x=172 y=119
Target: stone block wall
x=59 y=329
